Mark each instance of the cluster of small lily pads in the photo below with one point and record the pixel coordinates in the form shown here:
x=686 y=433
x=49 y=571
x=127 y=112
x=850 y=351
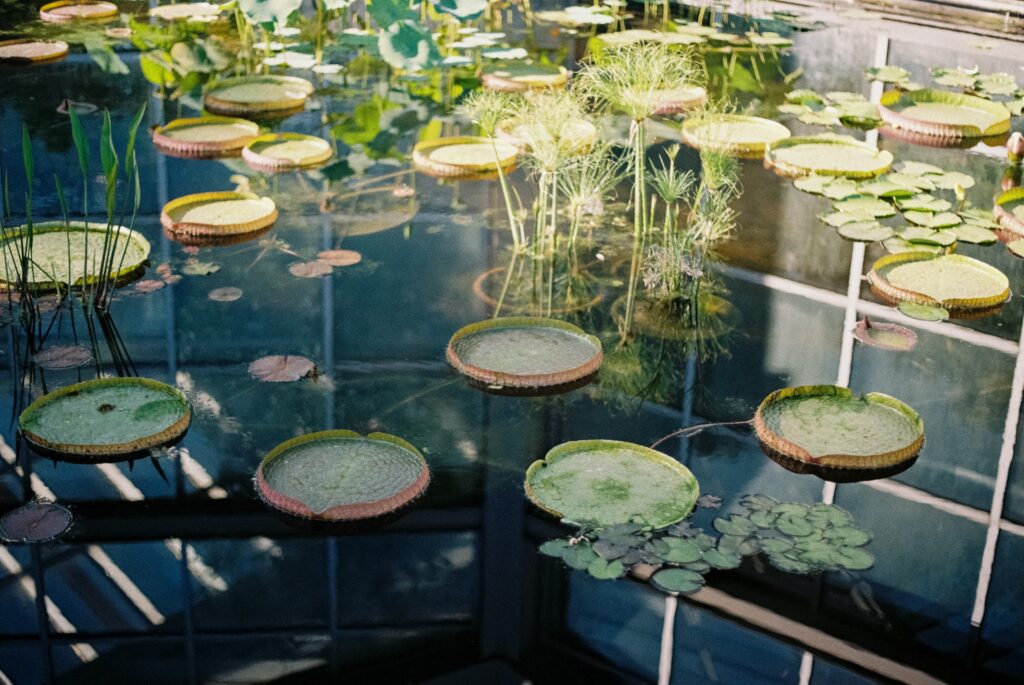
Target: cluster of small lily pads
x=970 y=80
x=794 y=537
x=934 y=223
x=832 y=109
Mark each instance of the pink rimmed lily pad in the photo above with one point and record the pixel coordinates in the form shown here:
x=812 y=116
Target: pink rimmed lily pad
x=281 y=368
x=887 y=336
x=225 y=294
x=63 y=357
x=340 y=257
x=312 y=269
x=35 y=522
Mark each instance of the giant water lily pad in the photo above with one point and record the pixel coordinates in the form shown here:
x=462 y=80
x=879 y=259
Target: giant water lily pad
x=827 y=425
x=218 y=214
x=733 y=134
x=951 y=281
x=185 y=11
x=605 y=482
x=943 y=114
x=204 y=137
x=106 y=419
x=463 y=157
x=517 y=77
x=72 y=254
x=64 y=11
x=1009 y=210
x=680 y=99
x=278 y=151
x=827 y=155
x=257 y=95
x=524 y=352
x=27 y=51
x=340 y=475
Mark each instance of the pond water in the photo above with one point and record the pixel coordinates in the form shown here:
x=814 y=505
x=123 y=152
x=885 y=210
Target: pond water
x=176 y=572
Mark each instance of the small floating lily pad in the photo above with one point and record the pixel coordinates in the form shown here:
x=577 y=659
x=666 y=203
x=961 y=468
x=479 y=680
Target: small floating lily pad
x=517 y=77
x=185 y=10
x=865 y=231
x=887 y=336
x=64 y=11
x=828 y=425
x=224 y=213
x=339 y=475
x=604 y=482
x=106 y=419
x=278 y=151
x=27 y=51
x=258 y=95
x=35 y=521
x=281 y=368
x=951 y=281
x=61 y=357
x=943 y=114
x=524 y=352
x=204 y=137
x=827 y=155
x=463 y=157
x=733 y=134
x=58 y=253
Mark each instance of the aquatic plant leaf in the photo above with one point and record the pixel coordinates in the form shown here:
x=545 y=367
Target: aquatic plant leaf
x=871 y=206
x=949 y=180
x=977 y=235
x=340 y=257
x=463 y=10
x=848 y=536
x=793 y=526
x=734 y=525
x=603 y=569
x=1016 y=247
x=923 y=312
x=775 y=546
x=911 y=168
x=611 y=549
x=813 y=183
x=932 y=220
x=35 y=521
x=888 y=74
x=722 y=559
x=408 y=46
x=281 y=368
x=840 y=189
x=923 y=203
x=554 y=548
x=105 y=57
x=149 y=285
x=200 y=268
x=269 y=12
x=922 y=235
x=886 y=188
x=853 y=558
x=738 y=544
x=312 y=269
x=759 y=502
x=681 y=550
x=225 y=294
x=784 y=562
x=837 y=219
x=677 y=580
x=63 y=357
x=865 y=231
x=823 y=515
x=579 y=556
x=763 y=518
x=887 y=336
x=709 y=501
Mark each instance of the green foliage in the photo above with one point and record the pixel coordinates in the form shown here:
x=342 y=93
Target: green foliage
x=795 y=537
x=269 y=13
x=105 y=57
x=463 y=10
x=409 y=46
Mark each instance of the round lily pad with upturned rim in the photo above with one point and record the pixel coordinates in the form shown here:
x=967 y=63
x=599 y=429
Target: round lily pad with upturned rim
x=518 y=77
x=185 y=11
x=605 y=482
x=733 y=134
x=1009 y=210
x=50 y=260
x=680 y=99
x=35 y=521
x=257 y=95
x=225 y=213
x=827 y=425
x=340 y=475
x=827 y=155
x=463 y=157
x=28 y=51
x=64 y=11
x=943 y=114
x=950 y=281
x=524 y=352
x=203 y=137
x=106 y=419
x=277 y=151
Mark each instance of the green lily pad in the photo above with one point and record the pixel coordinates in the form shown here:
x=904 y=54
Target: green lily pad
x=57 y=256
x=923 y=312
x=853 y=558
x=932 y=219
x=828 y=155
x=106 y=419
x=678 y=580
x=1016 y=247
x=607 y=482
x=830 y=426
x=978 y=235
x=408 y=46
x=837 y=219
x=720 y=559
x=951 y=281
x=339 y=475
x=871 y=206
x=865 y=232
x=888 y=74
x=944 y=114
x=743 y=136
